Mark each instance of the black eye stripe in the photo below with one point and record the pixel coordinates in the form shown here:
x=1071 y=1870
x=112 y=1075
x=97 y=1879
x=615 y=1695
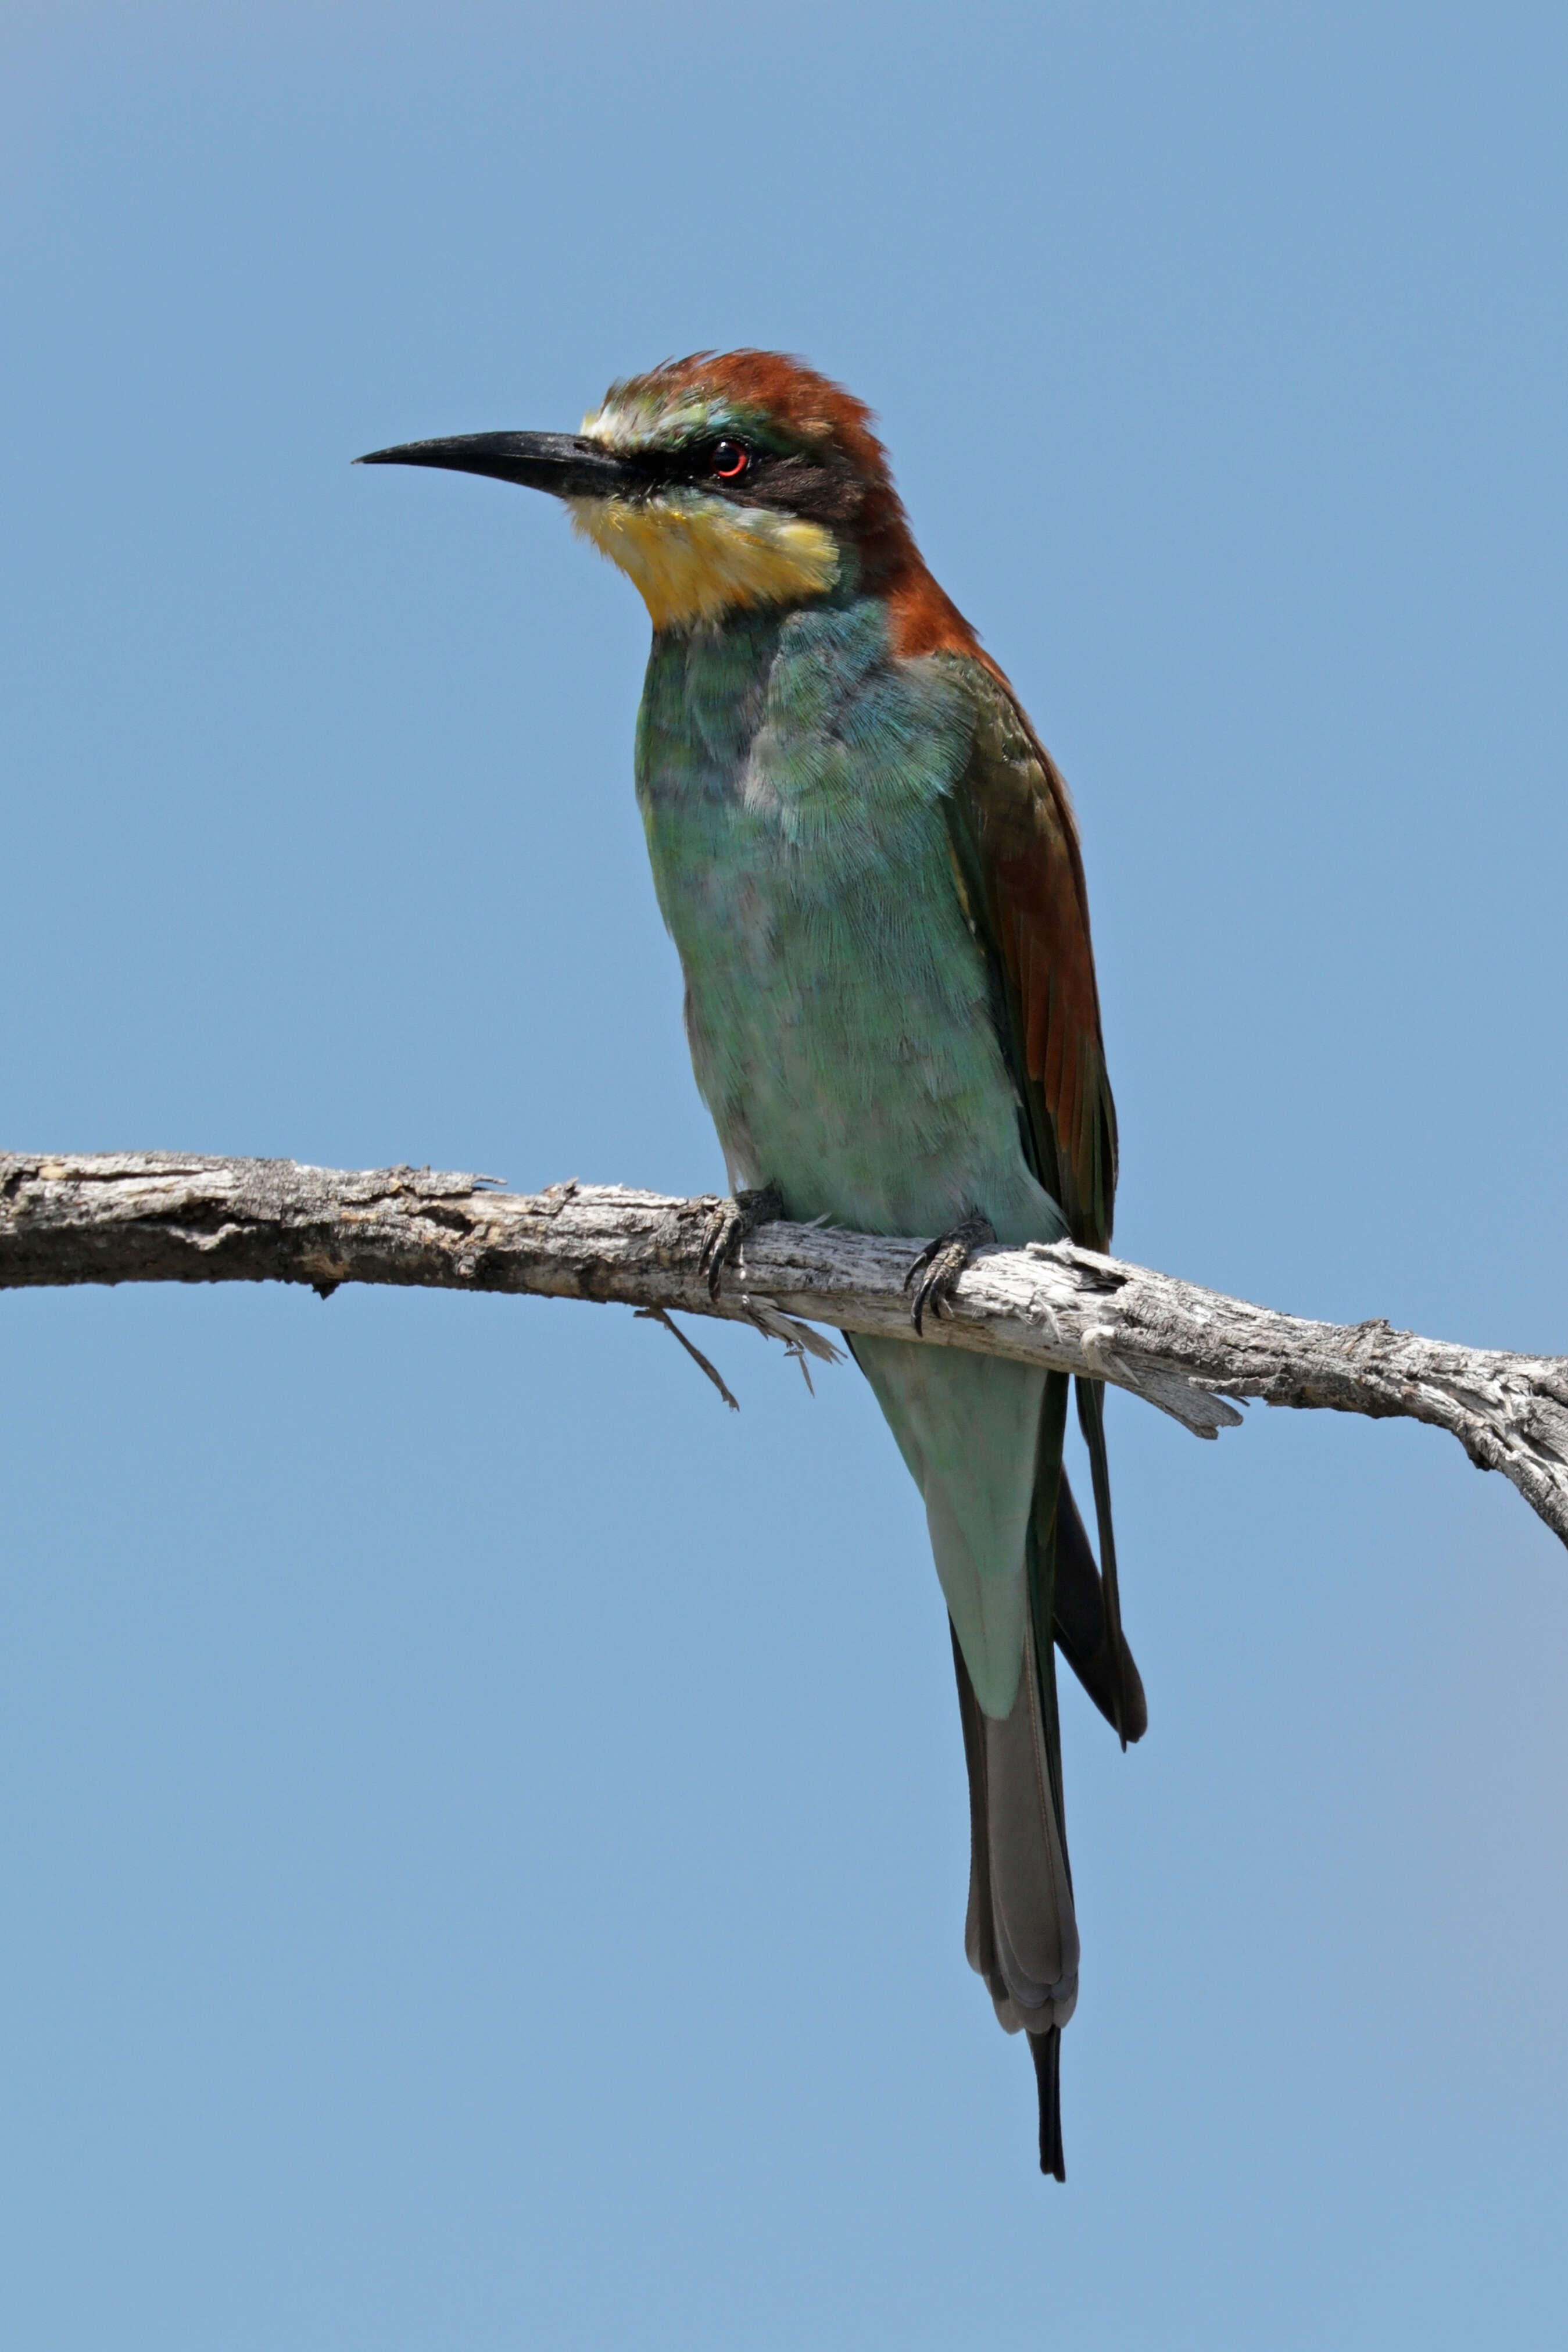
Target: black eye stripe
x=807 y=483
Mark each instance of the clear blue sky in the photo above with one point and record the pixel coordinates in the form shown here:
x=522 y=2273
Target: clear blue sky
x=483 y=1830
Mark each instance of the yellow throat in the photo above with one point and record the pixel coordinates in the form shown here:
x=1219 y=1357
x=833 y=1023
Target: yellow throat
x=692 y=557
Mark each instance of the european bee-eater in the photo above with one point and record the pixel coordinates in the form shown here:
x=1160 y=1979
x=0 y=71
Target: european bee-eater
x=871 y=869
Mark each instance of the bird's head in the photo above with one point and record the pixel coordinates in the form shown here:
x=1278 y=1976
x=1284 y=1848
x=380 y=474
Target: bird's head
x=720 y=482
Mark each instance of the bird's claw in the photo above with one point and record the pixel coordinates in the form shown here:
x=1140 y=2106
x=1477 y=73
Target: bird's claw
x=934 y=1276
x=731 y=1225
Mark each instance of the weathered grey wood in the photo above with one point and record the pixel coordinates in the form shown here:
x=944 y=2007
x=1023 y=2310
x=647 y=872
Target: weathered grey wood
x=161 y=1217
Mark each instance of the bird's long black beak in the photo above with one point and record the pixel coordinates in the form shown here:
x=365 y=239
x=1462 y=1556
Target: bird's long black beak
x=562 y=463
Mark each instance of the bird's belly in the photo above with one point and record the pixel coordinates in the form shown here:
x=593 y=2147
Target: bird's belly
x=841 y=1034
x=846 y=1049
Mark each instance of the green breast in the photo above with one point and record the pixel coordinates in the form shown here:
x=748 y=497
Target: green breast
x=791 y=776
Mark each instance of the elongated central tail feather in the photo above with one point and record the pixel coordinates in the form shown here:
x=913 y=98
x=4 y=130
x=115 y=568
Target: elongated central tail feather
x=1045 y=2049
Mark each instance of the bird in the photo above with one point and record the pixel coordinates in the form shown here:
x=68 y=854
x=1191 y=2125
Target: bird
x=871 y=869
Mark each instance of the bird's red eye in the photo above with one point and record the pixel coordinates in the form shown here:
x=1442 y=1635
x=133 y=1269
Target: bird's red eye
x=729 y=459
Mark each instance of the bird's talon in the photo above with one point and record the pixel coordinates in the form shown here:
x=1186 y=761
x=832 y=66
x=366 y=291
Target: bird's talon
x=731 y=1225
x=935 y=1273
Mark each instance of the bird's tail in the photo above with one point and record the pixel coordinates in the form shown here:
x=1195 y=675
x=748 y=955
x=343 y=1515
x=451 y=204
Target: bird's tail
x=1021 y=1933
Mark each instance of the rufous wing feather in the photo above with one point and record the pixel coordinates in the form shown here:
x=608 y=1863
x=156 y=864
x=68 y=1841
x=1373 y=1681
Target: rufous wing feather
x=1016 y=847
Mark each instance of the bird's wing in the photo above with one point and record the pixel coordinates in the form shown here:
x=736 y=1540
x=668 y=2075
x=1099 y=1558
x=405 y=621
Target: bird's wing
x=1020 y=874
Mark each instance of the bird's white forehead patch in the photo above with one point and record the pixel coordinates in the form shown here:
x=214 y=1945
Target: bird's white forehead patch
x=635 y=418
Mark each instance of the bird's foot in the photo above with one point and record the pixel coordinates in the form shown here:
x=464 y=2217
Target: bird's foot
x=732 y=1223
x=934 y=1276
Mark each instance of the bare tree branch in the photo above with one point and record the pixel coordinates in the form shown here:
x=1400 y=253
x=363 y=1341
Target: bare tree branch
x=160 y=1217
